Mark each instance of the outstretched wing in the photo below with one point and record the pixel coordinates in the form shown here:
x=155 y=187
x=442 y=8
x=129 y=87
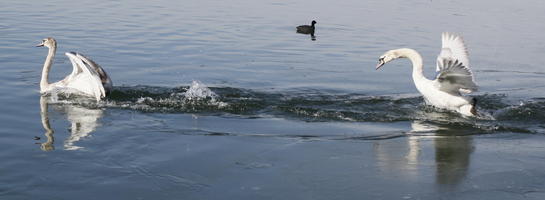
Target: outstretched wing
x=454 y=77
x=85 y=77
x=452 y=48
x=104 y=78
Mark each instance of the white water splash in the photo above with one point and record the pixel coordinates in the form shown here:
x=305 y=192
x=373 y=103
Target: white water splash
x=199 y=91
x=196 y=95
x=143 y=100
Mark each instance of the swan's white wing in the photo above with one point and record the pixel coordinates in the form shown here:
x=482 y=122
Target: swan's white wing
x=104 y=78
x=452 y=48
x=88 y=81
x=96 y=73
x=454 y=77
x=76 y=69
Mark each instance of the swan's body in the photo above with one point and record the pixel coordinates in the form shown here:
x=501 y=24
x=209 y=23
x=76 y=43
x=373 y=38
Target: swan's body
x=307 y=29
x=87 y=77
x=453 y=75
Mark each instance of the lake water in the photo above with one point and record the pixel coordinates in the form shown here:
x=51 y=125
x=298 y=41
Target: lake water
x=223 y=100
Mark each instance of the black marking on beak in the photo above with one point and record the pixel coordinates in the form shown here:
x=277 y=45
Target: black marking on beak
x=380 y=63
x=41 y=44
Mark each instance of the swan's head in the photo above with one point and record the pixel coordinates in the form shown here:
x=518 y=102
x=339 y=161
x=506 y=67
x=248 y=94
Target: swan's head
x=387 y=57
x=313 y=22
x=48 y=42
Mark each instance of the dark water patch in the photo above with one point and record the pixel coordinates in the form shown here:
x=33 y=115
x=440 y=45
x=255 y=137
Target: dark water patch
x=491 y=102
x=530 y=111
x=196 y=98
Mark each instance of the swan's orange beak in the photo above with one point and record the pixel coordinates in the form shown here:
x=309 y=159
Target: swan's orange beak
x=380 y=63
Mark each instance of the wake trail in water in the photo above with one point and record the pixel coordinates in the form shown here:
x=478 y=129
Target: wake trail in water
x=497 y=115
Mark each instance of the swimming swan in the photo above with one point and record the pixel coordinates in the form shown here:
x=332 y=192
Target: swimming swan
x=87 y=77
x=453 y=75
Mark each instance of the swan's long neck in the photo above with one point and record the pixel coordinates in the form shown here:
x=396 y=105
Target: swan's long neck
x=416 y=60
x=47 y=66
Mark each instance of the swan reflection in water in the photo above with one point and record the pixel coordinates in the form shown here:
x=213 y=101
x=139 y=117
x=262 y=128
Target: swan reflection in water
x=83 y=122
x=451 y=153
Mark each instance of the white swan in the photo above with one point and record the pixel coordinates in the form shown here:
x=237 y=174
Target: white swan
x=87 y=77
x=453 y=75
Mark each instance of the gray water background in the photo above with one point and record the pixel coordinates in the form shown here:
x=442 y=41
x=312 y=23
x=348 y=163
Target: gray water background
x=271 y=114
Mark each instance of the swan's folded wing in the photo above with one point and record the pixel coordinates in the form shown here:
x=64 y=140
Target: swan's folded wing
x=452 y=48
x=454 y=77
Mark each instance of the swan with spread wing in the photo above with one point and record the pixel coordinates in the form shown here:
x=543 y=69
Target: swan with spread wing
x=87 y=77
x=453 y=78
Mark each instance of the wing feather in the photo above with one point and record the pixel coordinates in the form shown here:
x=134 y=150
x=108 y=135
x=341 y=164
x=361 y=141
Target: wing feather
x=92 y=82
x=454 y=77
x=104 y=78
x=453 y=72
x=452 y=48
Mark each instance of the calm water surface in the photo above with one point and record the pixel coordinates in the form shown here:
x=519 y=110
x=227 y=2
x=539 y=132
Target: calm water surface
x=223 y=100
